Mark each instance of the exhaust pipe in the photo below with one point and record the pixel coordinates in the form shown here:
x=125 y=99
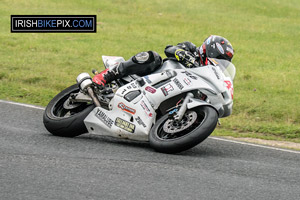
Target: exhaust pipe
x=85 y=82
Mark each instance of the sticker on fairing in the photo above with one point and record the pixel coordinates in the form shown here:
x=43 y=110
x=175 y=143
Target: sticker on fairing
x=104 y=118
x=187 y=81
x=190 y=75
x=166 y=89
x=146 y=109
x=124 y=90
x=125 y=125
x=133 y=85
x=216 y=73
x=150 y=89
x=229 y=86
x=126 y=108
x=140 y=122
x=178 y=84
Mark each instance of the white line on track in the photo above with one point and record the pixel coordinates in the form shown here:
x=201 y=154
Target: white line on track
x=254 y=145
x=211 y=137
x=22 y=104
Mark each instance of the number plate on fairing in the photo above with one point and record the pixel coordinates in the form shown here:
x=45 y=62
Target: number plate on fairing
x=127 y=126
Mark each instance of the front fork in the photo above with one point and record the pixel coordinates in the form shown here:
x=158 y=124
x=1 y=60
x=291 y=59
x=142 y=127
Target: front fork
x=179 y=115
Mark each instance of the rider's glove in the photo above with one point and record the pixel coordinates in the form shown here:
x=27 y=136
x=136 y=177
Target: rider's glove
x=180 y=54
x=186 y=57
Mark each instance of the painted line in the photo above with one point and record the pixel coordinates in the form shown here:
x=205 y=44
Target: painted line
x=254 y=145
x=22 y=104
x=211 y=137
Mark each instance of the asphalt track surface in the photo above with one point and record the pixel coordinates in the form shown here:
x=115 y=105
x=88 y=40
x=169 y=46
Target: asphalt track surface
x=36 y=165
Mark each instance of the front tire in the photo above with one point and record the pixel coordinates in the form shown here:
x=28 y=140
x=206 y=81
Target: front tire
x=66 y=122
x=167 y=138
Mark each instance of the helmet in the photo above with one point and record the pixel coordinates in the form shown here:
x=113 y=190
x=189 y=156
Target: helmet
x=215 y=47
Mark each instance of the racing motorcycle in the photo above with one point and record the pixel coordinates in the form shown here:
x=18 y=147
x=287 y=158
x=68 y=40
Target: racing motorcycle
x=174 y=108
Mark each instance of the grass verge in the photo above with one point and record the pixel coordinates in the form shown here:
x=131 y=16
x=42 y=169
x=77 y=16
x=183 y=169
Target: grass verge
x=36 y=66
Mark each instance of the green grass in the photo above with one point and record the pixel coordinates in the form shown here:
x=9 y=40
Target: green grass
x=36 y=66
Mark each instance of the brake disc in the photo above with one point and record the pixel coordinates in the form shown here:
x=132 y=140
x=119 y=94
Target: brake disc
x=173 y=126
x=70 y=105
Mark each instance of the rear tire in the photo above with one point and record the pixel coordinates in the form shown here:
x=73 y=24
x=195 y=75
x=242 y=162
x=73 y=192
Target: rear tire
x=66 y=122
x=167 y=140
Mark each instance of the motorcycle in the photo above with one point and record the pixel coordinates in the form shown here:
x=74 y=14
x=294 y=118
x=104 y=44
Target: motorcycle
x=174 y=108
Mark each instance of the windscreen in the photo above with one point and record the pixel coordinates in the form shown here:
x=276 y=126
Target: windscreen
x=227 y=67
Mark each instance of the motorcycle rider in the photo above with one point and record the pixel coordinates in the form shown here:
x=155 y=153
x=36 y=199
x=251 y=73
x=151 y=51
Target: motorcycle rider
x=186 y=53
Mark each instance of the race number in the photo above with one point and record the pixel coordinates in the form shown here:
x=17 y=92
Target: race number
x=229 y=86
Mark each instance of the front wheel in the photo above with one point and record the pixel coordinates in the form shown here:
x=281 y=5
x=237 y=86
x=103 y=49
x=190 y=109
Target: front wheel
x=64 y=118
x=171 y=136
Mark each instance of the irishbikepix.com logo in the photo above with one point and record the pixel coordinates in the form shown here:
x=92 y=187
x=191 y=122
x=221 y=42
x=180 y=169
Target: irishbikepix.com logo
x=53 y=23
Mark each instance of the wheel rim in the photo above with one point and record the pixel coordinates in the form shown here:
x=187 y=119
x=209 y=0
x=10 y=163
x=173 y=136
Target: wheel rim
x=170 y=129
x=172 y=126
x=63 y=108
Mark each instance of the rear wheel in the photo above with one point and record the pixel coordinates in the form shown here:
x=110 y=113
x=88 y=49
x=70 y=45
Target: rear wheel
x=171 y=136
x=64 y=118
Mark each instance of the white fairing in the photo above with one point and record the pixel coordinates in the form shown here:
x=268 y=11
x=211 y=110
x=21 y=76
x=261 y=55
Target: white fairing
x=121 y=123
x=133 y=118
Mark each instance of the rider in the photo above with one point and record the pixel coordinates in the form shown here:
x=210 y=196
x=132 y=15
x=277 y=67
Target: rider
x=186 y=53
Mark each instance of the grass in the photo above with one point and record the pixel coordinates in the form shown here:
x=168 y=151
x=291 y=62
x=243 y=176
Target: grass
x=36 y=66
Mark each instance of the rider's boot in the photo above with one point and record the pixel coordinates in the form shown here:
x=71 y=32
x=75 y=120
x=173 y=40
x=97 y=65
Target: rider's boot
x=104 y=77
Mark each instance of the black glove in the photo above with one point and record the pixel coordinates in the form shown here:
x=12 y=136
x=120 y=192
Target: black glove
x=186 y=57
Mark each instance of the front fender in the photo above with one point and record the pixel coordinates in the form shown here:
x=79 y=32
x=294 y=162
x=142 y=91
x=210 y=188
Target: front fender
x=197 y=102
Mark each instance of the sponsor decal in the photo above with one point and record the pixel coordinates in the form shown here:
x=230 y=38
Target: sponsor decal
x=229 y=87
x=150 y=89
x=229 y=49
x=208 y=40
x=190 y=75
x=140 y=122
x=124 y=90
x=166 y=89
x=146 y=108
x=216 y=73
x=187 y=81
x=213 y=46
x=125 y=125
x=147 y=79
x=126 y=108
x=133 y=85
x=220 y=48
x=103 y=117
x=178 y=84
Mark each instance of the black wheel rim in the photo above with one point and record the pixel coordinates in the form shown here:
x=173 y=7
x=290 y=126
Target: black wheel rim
x=163 y=135
x=58 y=110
